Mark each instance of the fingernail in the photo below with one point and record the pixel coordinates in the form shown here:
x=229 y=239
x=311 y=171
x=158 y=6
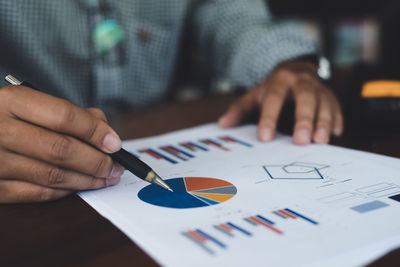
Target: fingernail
x=266 y=134
x=111 y=143
x=321 y=136
x=337 y=131
x=224 y=120
x=302 y=136
x=112 y=181
x=117 y=171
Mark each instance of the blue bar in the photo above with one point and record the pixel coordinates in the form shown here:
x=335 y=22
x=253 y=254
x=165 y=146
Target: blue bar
x=265 y=219
x=240 y=142
x=183 y=152
x=173 y=154
x=198 y=243
x=250 y=221
x=238 y=228
x=370 y=206
x=164 y=157
x=210 y=238
x=185 y=145
x=199 y=147
x=301 y=216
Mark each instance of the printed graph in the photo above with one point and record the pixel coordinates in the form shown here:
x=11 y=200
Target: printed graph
x=291 y=214
x=219 y=236
x=185 y=151
x=231 y=229
x=296 y=171
x=189 y=192
x=261 y=220
x=157 y=155
x=193 y=147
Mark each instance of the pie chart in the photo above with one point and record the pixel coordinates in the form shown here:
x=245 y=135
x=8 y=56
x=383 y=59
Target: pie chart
x=189 y=192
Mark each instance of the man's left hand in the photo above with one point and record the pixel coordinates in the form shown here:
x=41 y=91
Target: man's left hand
x=318 y=113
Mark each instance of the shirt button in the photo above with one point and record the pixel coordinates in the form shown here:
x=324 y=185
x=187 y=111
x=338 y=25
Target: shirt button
x=143 y=36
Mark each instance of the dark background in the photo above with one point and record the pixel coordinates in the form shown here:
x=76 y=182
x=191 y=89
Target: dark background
x=328 y=13
x=348 y=79
x=357 y=55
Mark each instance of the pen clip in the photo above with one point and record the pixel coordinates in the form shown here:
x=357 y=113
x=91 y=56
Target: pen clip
x=12 y=80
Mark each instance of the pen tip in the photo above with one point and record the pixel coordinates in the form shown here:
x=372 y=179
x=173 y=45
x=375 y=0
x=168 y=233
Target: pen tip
x=157 y=180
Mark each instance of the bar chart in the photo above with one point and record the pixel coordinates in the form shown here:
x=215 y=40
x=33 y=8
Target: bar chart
x=185 y=151
x=229 y=229
x=214 y=143
x=192 y=146
x=157 y=155
x=261 y=220
x=220 y=235
x=291 y=214
x=230 y=139
x=177 y=153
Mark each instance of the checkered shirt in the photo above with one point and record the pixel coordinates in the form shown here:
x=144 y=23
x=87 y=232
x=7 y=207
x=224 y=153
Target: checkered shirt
x=50 y=43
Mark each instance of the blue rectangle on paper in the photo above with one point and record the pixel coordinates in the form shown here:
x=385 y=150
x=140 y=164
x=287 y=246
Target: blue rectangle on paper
x=199 y=147
x=238 y=228
x=265 y=219
x=301 y=216
x=370 y=206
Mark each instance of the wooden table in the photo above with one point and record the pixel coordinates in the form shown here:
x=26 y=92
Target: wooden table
x=70 y=232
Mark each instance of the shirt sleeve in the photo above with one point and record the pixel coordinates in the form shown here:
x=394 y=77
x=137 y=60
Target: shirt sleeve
x=241 y=42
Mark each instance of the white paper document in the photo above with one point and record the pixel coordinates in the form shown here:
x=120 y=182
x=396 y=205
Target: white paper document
x=240 y=202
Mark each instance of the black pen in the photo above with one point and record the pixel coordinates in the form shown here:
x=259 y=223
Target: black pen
x=123 y=157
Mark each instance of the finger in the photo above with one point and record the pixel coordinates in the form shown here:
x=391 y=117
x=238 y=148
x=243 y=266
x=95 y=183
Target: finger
x=238 y=110
x=338 y=124
x=270 y=109
x=62 y=116
x=20 y=192
x=57 y=149
x=98 y=113
x=306 y=103
x=29 y=170
x=324 y=119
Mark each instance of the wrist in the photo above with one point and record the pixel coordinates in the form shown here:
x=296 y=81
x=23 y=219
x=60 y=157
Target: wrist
x=318 y=66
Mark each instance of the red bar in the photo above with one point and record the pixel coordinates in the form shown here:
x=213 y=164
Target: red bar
x=197 y=236
x=228 y=139
x=254 y=219
x=151 y=153
x=188 y=145
x=287 y=214
x=214 y=144
x=173 y=150
x=170 y=149
x=225 y=227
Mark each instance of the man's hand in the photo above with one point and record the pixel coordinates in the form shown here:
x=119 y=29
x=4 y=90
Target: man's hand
x=317 y=115
x=50 y=147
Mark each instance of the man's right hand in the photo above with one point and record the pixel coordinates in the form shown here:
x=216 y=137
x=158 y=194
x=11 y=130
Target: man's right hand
x=50 y=147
